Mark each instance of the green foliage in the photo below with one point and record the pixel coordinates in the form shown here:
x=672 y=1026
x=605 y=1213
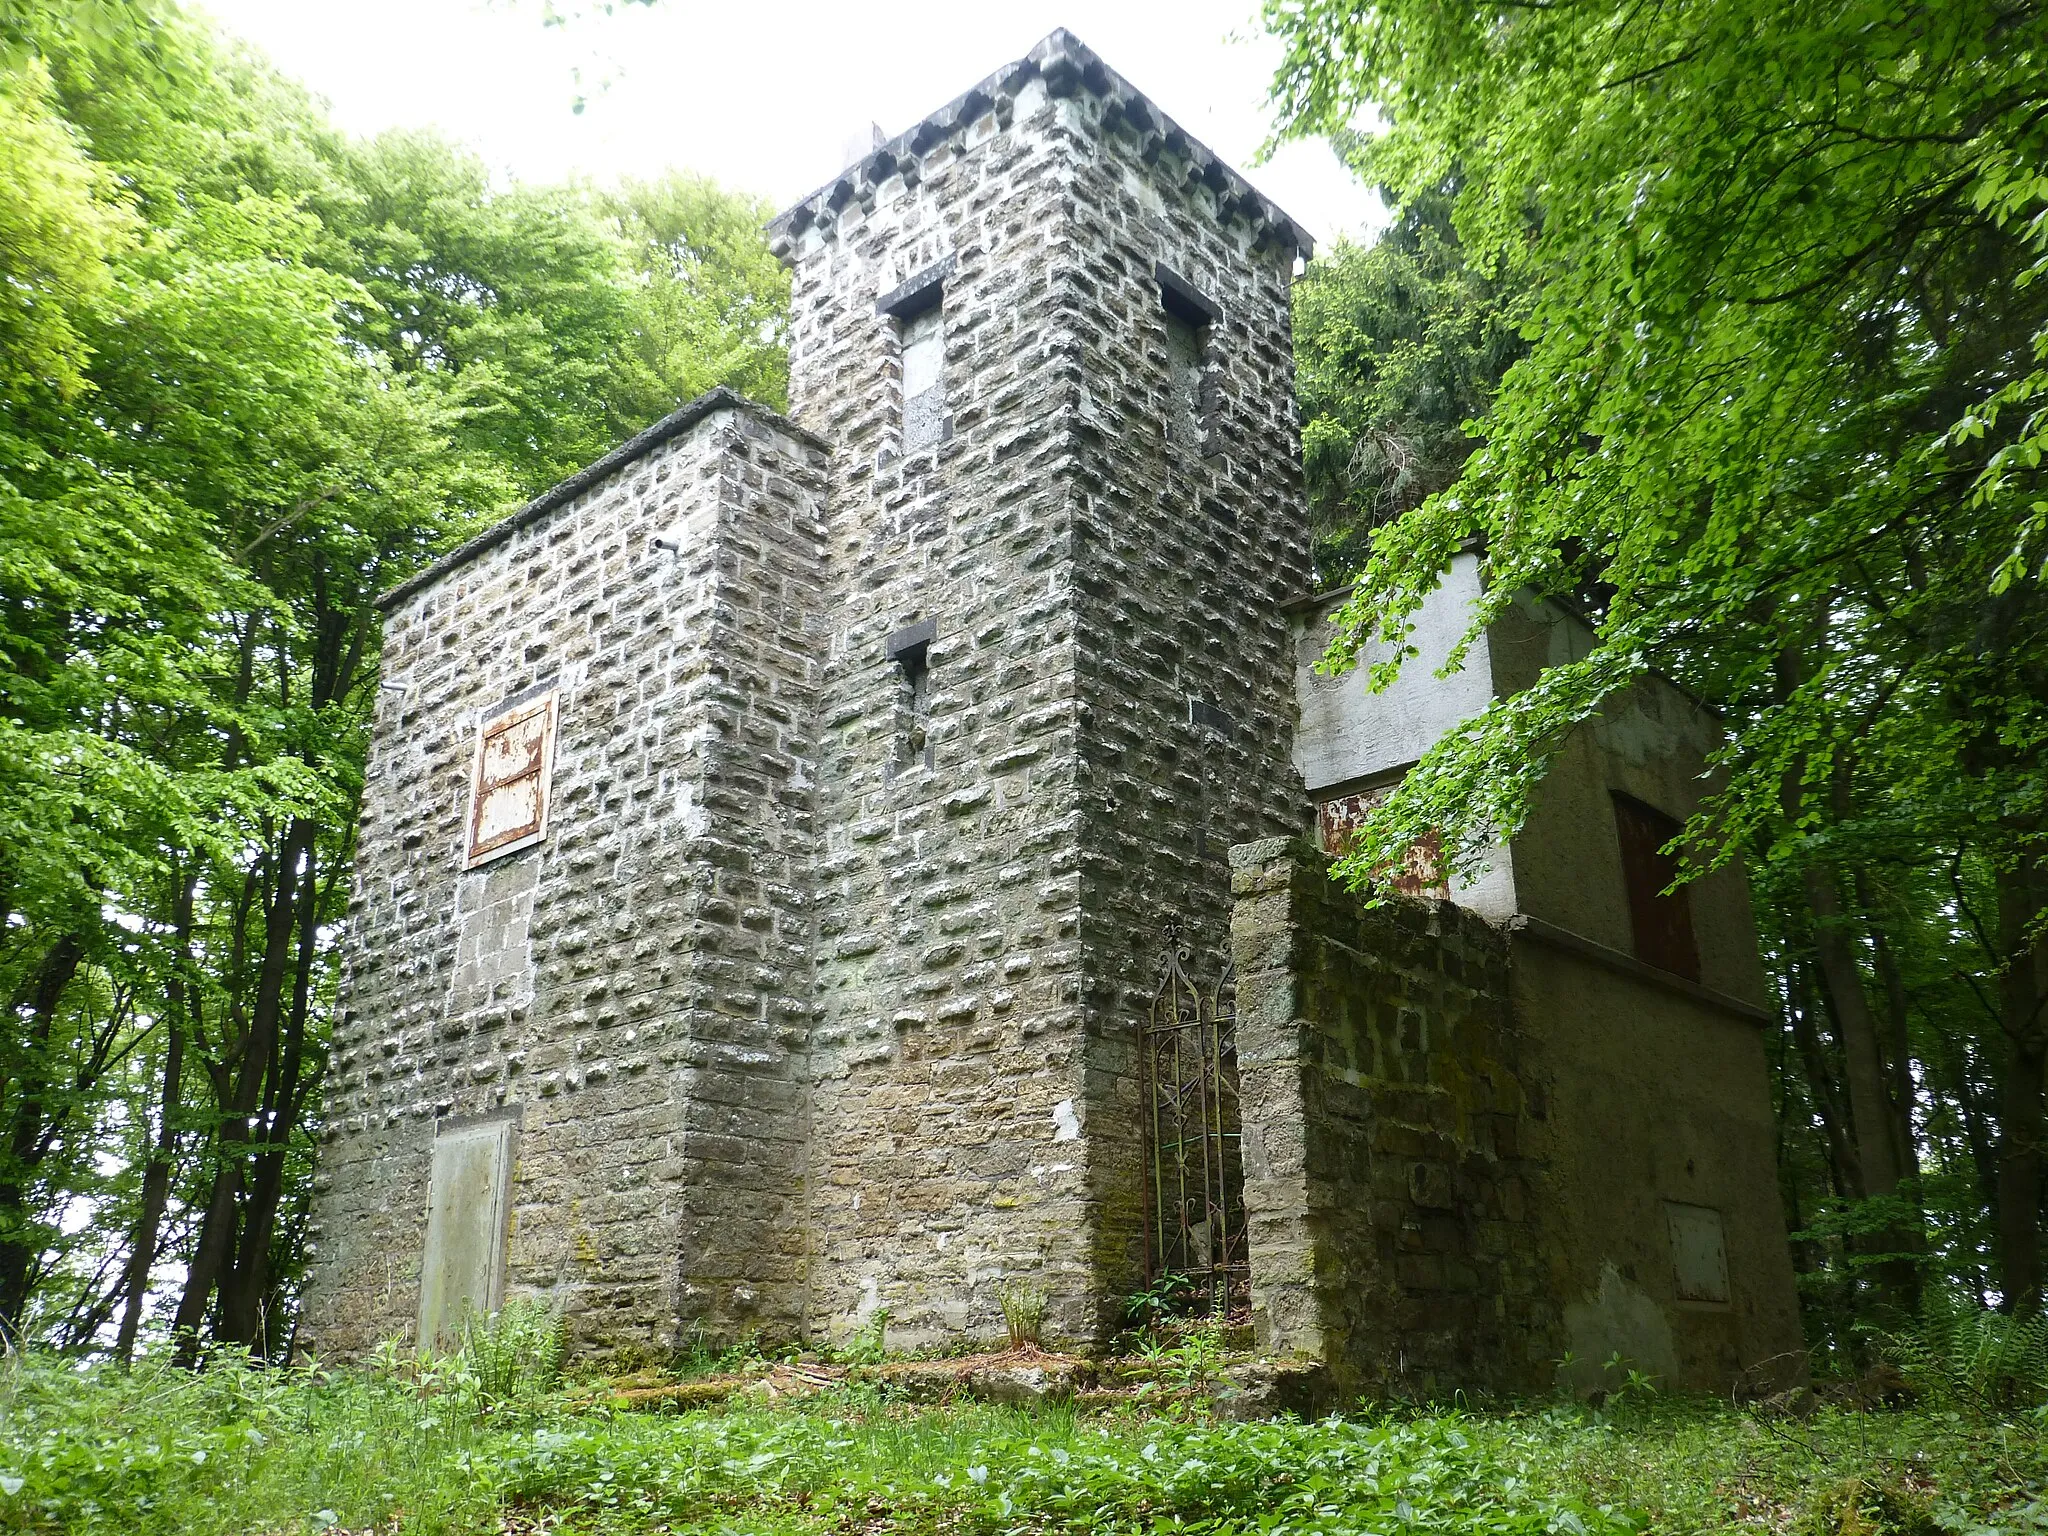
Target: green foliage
x=699 y=1356
x=59 y=223
x=1777 y=436
x=515 y=1354
x=1397 y=347
x=229 y=1449
x=251 y=374
x=1969 y=1358
x=1192 y=1359
x=711 y=301
x=1171 y=1295
x=869 y=1344
x=1023 y=1304
x=1775 y=313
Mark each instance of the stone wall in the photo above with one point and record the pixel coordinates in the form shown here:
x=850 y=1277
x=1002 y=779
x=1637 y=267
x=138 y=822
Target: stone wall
x=634 y=988
x=1190 y=533
x=1390 y=1120
x=999 y=861
x=943 y=1053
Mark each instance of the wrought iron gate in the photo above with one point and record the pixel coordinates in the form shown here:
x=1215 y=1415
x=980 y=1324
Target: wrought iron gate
x=1195 y=1226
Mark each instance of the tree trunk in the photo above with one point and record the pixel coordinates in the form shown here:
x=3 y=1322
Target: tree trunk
x=1896 y=1038
x=2021 y=1084
x=156 y=1179
x=1863 y=1074
x=1820 y=1082
x=27 y=1126
x=226 y=1235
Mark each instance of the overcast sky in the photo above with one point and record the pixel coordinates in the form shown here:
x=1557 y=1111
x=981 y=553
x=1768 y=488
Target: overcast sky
x=765 y=95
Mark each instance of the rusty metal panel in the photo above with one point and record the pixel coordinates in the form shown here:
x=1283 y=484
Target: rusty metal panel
x=1699 y=1252
x=1341 y=818
x=508 y=802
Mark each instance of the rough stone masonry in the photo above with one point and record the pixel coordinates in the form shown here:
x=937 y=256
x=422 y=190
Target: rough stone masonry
x=770 y=833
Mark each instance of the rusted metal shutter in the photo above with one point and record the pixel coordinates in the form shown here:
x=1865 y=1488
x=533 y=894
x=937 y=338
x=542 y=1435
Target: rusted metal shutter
x=508 y=803
x=1341 y=818
x=1662 y=922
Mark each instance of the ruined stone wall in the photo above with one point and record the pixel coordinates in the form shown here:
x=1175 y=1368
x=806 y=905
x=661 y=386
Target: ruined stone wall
x=633 y=987
x=1190 y=533
x=946 y=1045
x=1393 y=1134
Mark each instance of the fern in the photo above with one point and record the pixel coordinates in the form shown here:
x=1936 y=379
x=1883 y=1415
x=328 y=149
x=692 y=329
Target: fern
x=514 y=1354
x=1973 y=1359
x=1023 y=1307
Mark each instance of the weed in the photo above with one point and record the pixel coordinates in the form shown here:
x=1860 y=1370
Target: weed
x=236 y=1448
x=513 y=1357
x=1168 y=1296
x=1023 y=1305
x=869 y=1345
x=1973 y=1360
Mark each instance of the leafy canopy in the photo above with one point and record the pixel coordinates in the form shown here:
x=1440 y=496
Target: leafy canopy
x=1779 y=428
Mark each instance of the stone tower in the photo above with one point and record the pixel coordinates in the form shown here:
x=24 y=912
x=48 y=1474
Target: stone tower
x=770 y=833
x=1047 y=336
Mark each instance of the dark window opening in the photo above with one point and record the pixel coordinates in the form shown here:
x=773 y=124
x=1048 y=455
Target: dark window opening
x=910 y=651
x=917 y=677
x=1660 y=918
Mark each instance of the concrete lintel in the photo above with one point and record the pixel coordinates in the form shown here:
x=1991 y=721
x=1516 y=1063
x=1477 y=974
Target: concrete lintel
x=1628 y=965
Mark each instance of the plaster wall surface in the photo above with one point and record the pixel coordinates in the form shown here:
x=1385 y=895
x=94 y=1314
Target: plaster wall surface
x=1653 y=744
x=1653 y=1098
x=1347 y=738
x=1346 y=733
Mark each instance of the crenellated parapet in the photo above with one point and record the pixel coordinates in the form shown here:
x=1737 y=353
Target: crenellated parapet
x=1060 y=67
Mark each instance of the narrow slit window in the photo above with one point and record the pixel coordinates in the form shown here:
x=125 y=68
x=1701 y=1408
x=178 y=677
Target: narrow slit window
x=1660 y=919
x=924 y=379
x=918 y=309
x=909 y=651
x=1192 y=392
x=1186 y=349
x=511 y=779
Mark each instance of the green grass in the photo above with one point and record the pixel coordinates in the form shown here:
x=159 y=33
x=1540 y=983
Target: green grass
x=238 y=1450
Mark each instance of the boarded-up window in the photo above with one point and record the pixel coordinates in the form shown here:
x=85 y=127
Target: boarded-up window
x=1661 y=919
x=1192 y=393
x=1340 y=819
x=1699 y=1252
x=924 y=377
x=1186 y=346
x=508 y=802
x=462 y=1272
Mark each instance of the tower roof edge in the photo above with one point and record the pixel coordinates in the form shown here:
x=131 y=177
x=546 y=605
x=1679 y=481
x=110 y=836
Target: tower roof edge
x=1068 y=67
x=719 y=398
